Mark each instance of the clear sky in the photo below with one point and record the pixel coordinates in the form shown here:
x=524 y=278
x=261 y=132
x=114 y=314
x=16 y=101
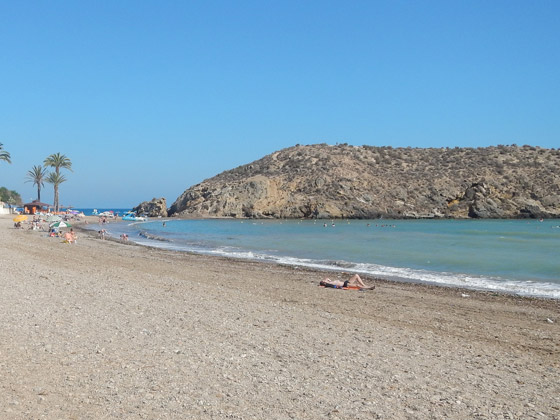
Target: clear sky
x=148 y=98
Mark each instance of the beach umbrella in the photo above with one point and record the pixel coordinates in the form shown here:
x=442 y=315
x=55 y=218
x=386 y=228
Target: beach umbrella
x=54 y=218
x=60 y=224
x=20 y=218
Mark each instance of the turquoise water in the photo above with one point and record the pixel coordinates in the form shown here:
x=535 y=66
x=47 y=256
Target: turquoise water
x=514 y=256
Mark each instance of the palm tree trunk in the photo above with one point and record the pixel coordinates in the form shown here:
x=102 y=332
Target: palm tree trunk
x=56 y=198
x=38 y=193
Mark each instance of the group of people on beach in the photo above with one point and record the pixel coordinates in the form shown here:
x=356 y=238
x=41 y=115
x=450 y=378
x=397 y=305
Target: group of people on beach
x=69 y=237
x=35 y=224
x=355 y=281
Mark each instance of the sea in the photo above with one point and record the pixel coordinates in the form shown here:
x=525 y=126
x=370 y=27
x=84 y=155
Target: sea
x=519 y=257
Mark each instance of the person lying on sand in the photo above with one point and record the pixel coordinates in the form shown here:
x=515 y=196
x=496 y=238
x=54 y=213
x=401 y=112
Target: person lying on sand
x=354 y=281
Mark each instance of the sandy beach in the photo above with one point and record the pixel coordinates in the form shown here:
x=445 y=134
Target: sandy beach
x=104 y=330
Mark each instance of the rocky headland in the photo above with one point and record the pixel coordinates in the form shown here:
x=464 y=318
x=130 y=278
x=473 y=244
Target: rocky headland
x=155 y=208
x=343 y=181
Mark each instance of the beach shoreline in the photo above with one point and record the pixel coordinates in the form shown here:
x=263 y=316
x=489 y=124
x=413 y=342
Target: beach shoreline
x=500 y=257
x=105 y=329
x=317 y=272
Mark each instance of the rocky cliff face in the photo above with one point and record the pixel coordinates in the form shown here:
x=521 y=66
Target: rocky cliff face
x=342 y=181
x=155 y=208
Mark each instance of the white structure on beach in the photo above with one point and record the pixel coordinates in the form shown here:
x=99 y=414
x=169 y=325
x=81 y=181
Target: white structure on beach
x=5 y=208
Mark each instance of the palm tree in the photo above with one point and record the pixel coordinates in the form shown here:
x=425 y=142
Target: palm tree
x=5 y=156
x=56 y=180
x=57 y=161
x=37 y=175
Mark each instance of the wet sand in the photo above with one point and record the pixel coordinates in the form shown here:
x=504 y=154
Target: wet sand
x=102 y=329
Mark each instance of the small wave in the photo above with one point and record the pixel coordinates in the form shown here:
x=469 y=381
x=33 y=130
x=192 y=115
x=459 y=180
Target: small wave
x=468 y=281
x=147 y=235
x=522 y=288
x=339 y=263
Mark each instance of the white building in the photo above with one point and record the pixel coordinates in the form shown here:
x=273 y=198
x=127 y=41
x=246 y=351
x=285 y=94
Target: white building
x=5 y=208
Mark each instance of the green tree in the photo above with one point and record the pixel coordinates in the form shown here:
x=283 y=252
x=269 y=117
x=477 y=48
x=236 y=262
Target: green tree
x=5 y=156
x=56 y=180
x=10 y=197
x=57 y=161
x=37 y=175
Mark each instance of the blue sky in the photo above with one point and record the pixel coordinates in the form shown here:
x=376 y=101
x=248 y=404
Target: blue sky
x=148 y=98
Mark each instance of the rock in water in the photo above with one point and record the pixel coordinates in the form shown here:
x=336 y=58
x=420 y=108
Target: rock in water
x=155 y=208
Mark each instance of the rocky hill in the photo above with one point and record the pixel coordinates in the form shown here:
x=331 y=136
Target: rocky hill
x=343 y=181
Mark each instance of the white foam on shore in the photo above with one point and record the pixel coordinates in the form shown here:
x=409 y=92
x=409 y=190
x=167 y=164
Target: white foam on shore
x=467 y=281
x=522 y=288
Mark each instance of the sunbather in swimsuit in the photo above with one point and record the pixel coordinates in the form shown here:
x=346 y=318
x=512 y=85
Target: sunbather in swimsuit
x=355 y=280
